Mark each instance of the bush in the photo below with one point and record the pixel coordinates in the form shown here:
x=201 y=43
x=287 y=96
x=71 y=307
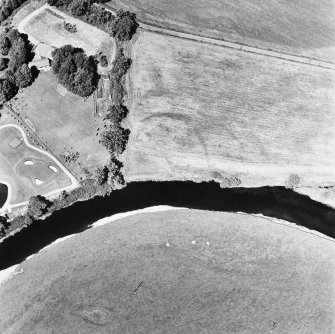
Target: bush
x=103 y=61
x=74 y=70
x=124 y=26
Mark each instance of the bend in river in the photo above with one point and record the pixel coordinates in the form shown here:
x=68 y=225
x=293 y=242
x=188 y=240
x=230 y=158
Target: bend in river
x=277 y=202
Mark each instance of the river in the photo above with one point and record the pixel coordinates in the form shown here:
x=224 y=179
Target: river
x=275 y=202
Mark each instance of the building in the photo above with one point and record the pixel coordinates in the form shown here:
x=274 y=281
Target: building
x=41 y=64
x=44 y=51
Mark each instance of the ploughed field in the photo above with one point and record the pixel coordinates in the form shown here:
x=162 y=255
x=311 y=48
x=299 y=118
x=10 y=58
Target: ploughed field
x=200 y=271
x=198 y=111
x=64 y=122
x=304 y=27
x=27 y=171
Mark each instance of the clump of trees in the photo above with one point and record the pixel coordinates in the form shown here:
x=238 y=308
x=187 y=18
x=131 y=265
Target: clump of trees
x=7 y=7
x=72 y=28
x=38 y=206
x=74 y=70
x=124 y=26
x=19 y=53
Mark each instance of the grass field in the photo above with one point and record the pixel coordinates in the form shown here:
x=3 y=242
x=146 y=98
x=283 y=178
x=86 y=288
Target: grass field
x=47 y=27
x=64 y=122
x=219 y=273
x=198 y=109
x=26 y=170
x=301 y=27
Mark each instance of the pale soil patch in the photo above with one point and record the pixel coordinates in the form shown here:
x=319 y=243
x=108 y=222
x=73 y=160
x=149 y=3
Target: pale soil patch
x=304 y=27
x=242 y=274
x=204 y=112
x=66 y=124
x=47 y=27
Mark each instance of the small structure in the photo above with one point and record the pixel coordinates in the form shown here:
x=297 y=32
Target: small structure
x=15 y=143
x=43 y=57
x=41 y=64
x=44 y=51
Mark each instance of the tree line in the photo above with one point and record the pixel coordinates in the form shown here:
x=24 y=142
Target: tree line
x=122 y=27
x=16 y=52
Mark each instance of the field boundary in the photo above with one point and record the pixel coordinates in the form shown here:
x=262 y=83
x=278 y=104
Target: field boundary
x=74 y=182
x=232 y=45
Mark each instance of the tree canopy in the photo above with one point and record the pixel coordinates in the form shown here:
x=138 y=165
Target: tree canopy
x=124 y=26
x=7 y=90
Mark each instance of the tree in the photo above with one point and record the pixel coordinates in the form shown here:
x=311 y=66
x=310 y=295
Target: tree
x=124 y=26
x=38 y=205
x=115 y=139
x=23 y=76
x=19 y=54
x=101 y=175
x=7 y=90
x=3 y=64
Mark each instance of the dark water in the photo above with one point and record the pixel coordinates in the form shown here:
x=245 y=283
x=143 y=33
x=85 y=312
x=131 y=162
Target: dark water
x=270 y=201
x=3 y=194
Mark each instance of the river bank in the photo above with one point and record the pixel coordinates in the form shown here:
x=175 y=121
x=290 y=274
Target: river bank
x=217 y=269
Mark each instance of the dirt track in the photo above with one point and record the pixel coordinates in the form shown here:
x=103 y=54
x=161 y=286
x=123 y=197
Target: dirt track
x=236 y=46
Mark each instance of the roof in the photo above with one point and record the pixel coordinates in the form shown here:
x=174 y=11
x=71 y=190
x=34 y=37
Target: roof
x=44 y=51
x=40 y=63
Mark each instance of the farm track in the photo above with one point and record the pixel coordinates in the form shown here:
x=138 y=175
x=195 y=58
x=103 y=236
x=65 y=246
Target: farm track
x=232 y=45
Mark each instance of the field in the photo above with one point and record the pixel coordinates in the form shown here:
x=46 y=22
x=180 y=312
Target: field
x=47 y=26
x=27 y=171
x=198 y=110
x=64 y=122
x=201 y=272
x=300 y=27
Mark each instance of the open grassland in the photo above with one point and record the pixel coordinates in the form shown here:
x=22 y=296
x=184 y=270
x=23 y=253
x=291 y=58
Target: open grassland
x=47 y=26
x=301 y=27
x=198 y=110
x=201 y=272
x=27 y=171
x=64 y=122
